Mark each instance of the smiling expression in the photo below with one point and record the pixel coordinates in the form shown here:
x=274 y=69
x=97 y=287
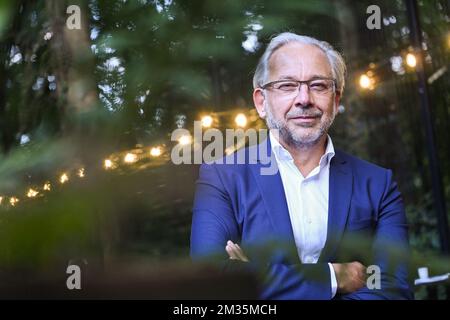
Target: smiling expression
x=303 y=119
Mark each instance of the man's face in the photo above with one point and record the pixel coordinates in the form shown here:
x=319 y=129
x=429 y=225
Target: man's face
x=306 y=115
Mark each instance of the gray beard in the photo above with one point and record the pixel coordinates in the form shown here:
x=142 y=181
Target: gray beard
x=296 y=141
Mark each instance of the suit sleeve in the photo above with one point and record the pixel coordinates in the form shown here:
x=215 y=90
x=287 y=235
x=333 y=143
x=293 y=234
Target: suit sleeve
x=214 y=222
x=390 y=249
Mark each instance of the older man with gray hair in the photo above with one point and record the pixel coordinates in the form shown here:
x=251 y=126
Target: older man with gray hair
x=339 y=214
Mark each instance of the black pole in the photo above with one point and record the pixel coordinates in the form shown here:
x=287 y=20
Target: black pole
x=436 y=179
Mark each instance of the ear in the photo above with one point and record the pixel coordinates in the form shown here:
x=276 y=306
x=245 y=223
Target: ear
x=258 y=101
x=337 y=99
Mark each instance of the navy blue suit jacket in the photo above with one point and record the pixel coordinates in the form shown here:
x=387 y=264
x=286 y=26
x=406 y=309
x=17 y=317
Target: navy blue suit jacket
x=366 y=222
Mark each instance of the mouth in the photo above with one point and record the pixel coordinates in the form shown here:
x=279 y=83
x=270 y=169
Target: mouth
x=304 y=118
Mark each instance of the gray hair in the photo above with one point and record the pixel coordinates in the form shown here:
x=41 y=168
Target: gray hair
x=335 y=59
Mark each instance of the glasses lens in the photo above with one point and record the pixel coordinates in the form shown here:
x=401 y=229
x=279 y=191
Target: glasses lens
x=321 y=86
x=286 y=86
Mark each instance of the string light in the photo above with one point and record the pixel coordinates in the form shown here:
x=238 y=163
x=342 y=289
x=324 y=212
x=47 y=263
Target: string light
x=13 y=201
x=185 y=140
x=108 y=164
x=364 y=81
x=64 y=178
x=241 y=120
x=80 y=173
x=207 y=121
x=155 y=152
x=32 y=193
x=130 y=158
x=411 y=60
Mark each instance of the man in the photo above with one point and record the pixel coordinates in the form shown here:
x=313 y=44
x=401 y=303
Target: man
x=339 y=213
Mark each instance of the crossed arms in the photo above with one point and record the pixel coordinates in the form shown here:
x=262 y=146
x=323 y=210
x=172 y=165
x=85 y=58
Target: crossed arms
x=217 y=230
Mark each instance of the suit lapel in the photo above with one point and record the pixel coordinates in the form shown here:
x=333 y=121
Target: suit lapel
x=340 y=193
x=272 y=193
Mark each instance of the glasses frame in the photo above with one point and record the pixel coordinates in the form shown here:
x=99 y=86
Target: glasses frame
x=300 y=82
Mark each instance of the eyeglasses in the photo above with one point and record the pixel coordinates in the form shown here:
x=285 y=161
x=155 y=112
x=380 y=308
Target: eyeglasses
x=290 y=88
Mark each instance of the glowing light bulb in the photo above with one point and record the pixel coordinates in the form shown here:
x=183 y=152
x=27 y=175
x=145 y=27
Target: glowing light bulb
x=80 y=173
x=32 y=193
x=13 y=201
x=47 y=186
x=364 y=81
x=207 y=121
x=411 y=60
x=155 y=152
x=130 y=158
x=64 y=178
x=108 y=164
x=241 y=120
x=185 y=140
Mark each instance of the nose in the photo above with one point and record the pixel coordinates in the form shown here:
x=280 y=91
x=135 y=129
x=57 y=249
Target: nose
x=303 y=97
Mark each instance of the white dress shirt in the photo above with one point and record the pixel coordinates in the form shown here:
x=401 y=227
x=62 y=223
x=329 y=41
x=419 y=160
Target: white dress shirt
x=307 y=201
